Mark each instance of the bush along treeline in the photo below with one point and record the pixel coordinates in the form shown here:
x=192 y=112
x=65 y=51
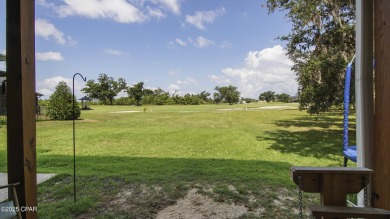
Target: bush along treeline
x=270 y=96
x=161 y=97
x=105 y=89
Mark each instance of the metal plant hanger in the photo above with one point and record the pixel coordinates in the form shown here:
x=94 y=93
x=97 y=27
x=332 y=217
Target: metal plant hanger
x=74 y=138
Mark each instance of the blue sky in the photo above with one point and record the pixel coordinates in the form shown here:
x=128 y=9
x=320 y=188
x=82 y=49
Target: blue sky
x=183 y=45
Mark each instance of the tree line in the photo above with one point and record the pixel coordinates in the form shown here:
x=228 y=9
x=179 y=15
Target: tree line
x=60 y=105
x=106 y=88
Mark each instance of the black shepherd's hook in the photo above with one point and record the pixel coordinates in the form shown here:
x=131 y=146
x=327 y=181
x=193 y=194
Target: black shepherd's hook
x=74 y=139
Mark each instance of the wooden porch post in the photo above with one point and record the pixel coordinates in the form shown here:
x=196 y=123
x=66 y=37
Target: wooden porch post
x=381 y=158
x=21 y=130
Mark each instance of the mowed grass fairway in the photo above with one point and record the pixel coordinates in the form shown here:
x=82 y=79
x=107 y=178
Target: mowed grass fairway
x=237 y=154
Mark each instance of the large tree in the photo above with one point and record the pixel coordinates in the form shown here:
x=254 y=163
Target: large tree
x=106 y=88
x=160 y=96
x=204 y=95
x=228 y=94
x=61 y=103
x=267 y=96
x=321 y=42
x=136 y=92
x=283 y=97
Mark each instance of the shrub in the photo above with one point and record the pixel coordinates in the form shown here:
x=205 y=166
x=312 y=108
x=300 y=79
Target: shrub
x=3 y=121
x=60 y=104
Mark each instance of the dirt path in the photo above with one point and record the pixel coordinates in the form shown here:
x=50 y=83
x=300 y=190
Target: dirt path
x=197 y=206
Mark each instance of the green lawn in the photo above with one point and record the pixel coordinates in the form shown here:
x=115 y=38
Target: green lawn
x=177 y=148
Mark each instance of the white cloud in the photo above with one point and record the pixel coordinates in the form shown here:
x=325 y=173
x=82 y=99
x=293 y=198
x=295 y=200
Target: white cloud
x=118 y=10
x=122 y=94
x=202 y=17
x=174 y=72
x=172 y=5
x=201 y=42
x=46 y=4
x=150 y=88
x=48 y=85
x=269 y=55
x=188 y=81
x=155 y=12
x=219 y=79
x=192 y=81
x=177 y=42
x=265 y=70
x=48 y=31
x=122 y=11
x=114 y=52
x=49 y=56
x=173 y=88
x=180 y=42
x=183 y=86
x=70 y=41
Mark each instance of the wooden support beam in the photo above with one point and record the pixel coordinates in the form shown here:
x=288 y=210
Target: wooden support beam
x=21 y=127
x=313 y=178
x=334 y=189
x=381 y=154
x=333 y=184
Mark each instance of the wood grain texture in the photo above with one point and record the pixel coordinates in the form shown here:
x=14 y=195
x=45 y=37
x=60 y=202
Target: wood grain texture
x=298 y=169
x=21 y=126
x=381 y=155
x=334 y=189
x=312 y=177
x=333 y=184
x=348 y=212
